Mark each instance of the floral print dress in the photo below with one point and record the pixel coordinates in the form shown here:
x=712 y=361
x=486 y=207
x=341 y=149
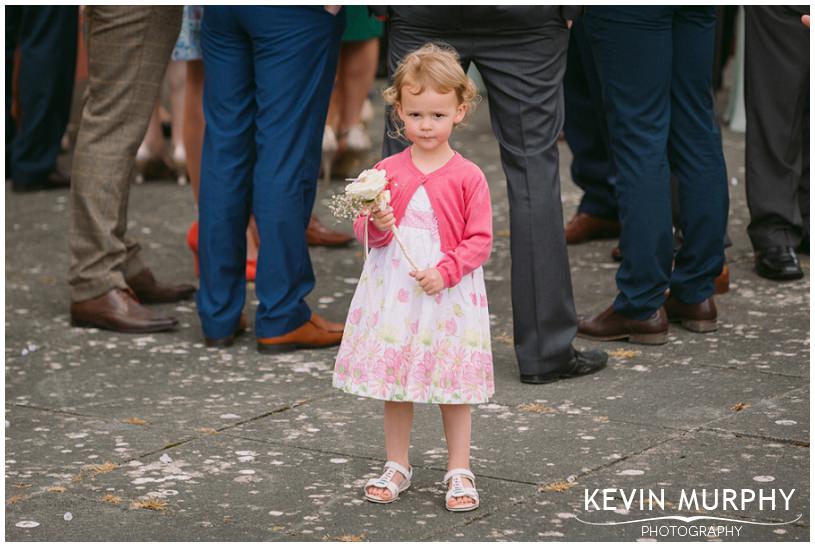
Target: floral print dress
x=399 y=343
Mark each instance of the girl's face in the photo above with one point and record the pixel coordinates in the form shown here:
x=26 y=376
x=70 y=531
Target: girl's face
x=430 y=116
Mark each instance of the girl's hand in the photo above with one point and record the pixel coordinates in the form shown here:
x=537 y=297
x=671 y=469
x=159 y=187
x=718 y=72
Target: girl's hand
x=383 y=218
x=430 y=280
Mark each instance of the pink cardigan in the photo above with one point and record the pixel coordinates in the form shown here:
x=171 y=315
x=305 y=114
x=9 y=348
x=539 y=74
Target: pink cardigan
x=460 y=197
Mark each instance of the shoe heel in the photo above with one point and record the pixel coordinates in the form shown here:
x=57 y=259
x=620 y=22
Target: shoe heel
x=655 y=339
x=81 y=324
x=329 y=149
x=700 y=325
x=272 y=349
x=325 y=165
x=225 y=342
x=180 y=165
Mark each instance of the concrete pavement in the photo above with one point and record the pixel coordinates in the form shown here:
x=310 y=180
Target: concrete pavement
x=113 y=437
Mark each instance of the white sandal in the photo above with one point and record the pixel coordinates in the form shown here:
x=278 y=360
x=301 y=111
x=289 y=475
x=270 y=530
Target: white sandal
x=384 y=481
x=458 y=489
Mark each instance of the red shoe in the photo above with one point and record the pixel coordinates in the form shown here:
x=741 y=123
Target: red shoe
x=192 y=242
x=251 y=268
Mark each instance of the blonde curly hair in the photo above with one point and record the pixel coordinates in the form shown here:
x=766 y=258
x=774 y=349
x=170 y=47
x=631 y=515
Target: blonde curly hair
x=435 y=66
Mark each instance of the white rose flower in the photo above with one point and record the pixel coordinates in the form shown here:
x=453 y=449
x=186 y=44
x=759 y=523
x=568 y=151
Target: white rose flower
x=368 y=185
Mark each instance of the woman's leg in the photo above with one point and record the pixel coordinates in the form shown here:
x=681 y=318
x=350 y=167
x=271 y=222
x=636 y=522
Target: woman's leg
x=398 y=423
x=153 y=139
x=193 y=132
x=176 y=78
x=357 y=73
x=458 y=424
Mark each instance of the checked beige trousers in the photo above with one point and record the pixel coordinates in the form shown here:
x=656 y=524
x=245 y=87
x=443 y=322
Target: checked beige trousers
x=128 y=51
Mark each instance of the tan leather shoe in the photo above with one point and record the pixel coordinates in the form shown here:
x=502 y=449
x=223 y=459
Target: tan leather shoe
x=306 y=336
x=227 y=341
x=150 y=291
x=325 y=324
x=585 y=227
x=318 y=234
x=699 y=317
x=722 y=281
x=609 y=325
x=119 y=310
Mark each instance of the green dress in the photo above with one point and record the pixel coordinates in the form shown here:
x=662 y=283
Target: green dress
x=360 y=25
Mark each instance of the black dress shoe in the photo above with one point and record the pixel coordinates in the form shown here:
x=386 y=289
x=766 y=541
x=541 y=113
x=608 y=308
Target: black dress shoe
x=54 y=180
x=779 y=263
x=581 y=363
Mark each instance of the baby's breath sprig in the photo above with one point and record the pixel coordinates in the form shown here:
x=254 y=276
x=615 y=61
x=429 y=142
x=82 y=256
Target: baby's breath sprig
x=364 y=193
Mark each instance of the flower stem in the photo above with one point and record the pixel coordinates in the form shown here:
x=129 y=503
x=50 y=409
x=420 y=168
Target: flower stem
x=402 y=246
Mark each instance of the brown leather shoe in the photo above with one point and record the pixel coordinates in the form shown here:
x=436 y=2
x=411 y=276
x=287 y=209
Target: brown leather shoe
x=150 y=291
x=699 y=317
x=585 y=227
x=318 y=234
x=306 y=336
x=609 y=325
x=120 y=311
x=227 y=341
x=327 y=325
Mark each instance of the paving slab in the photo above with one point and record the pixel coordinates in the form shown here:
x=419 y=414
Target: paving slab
x=655 y=386
x=509 y=442
x=47 y=449
x=263 y=492
x=685 y=462
x=189 y=387
x=94 y=519
x=784 y=418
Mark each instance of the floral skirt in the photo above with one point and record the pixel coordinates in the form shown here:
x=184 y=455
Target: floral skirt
x=401 y=344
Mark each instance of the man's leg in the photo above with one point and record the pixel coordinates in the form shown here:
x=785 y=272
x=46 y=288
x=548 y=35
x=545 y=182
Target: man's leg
x=633 y=50
x=14 y=16
x=402 y=39
x=296 y=50
x=128 y=49
x=48 y=38
x=776 y=103
x=695 y=153
x=523 y=74
x=227 y=163
x=585 y=129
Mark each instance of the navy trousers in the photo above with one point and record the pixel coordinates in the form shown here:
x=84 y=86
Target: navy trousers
x=269 y=71
x=655 y=67
x=47 y=36
x=585 y=129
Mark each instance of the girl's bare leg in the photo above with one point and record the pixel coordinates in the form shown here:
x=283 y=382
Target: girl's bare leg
x=398 y=423
x=457 y=421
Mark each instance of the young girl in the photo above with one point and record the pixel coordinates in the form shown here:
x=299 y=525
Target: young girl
x=423 y=336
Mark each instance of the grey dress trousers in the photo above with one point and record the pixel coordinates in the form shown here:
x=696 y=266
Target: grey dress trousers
x=520 y=52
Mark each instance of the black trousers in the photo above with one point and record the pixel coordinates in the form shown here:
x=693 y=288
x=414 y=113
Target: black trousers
x=776 y=92
x=47 y=36
x=523 y=72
